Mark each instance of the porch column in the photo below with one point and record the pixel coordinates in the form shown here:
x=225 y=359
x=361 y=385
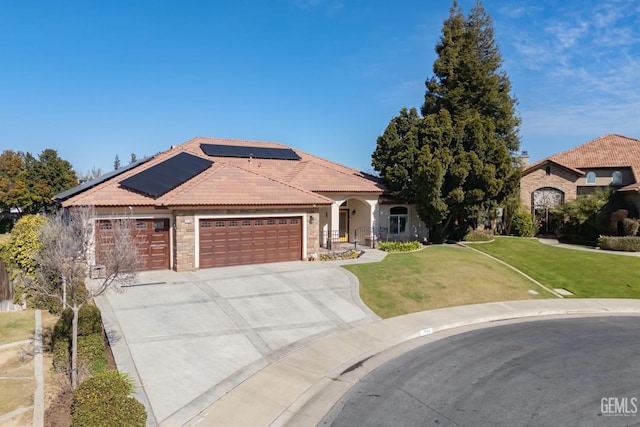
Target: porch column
x=334 y=224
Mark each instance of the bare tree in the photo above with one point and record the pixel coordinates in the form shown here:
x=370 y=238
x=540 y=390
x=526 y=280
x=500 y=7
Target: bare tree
x=68 y=248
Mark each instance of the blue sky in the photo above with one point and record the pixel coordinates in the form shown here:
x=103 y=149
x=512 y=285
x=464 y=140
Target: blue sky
x=93 y=79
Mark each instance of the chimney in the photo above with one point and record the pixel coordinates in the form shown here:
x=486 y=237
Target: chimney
x=524 y=159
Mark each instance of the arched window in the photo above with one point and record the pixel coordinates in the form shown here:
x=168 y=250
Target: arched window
x=616 y=178
x=591 y=177
x=398 y=220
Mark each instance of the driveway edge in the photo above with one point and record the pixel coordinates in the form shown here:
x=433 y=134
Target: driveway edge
x=300 y=388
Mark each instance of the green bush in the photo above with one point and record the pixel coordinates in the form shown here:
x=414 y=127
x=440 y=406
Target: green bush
x=399 y=246
x=630 y=226
x=61 y=356
x=104 y=400
x=91 y=352
x=522 y=224
x=478 y=236
x=20 y=251
x=91 y=344
x=615 y=243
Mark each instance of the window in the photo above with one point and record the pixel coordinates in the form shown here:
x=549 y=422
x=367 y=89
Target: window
x=205 y=224
x=282 y=221
x=294 y=221
x=106 y=226
x=548 y=170
x=271 y=222
x=591 y=177
x=233 y=223
x=141 y=225
x=219 y=224
x=159 y=225
x=258 y=222
x=246 y=223
x=616 y=178
x=398 y=220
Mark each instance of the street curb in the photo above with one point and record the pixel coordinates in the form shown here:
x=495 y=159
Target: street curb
x=301 y=388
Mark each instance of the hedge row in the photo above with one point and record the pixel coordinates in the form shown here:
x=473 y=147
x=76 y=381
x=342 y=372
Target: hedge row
x=615 y=243
x=91 y=345
x=478 y=236
x=104 y=401
x=399 y=246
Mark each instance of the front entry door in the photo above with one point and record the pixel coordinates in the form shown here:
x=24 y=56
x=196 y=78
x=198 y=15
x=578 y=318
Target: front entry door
x=343 y=225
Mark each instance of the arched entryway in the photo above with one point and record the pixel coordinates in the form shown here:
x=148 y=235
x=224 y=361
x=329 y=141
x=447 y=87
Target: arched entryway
x=542 y=201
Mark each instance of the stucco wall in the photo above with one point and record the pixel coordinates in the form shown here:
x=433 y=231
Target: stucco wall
x=415 y=230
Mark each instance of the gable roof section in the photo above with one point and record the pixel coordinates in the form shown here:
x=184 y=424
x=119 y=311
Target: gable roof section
x=608 y=151
x=539 y=164
x=233 y=181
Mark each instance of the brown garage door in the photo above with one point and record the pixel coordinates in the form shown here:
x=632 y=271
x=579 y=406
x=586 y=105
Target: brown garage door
x=152 y=240
x=240 y=241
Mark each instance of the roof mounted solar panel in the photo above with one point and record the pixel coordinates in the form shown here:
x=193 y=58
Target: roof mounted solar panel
x=241 y=151
x=165 y=176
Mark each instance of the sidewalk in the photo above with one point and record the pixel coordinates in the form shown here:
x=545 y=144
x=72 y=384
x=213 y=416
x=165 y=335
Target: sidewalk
x=300 y=388
x=555 y=242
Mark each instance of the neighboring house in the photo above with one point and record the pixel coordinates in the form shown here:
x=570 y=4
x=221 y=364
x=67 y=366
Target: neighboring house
x=215 y=202
x=611 y=161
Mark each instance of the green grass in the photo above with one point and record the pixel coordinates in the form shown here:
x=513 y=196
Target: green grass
x=438 y=276
x=585 y=274
x=16 y=326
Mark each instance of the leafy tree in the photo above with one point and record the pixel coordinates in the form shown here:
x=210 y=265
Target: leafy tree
x=29 y=183
x=457 y=159
x=63 y=262
x=116 y=163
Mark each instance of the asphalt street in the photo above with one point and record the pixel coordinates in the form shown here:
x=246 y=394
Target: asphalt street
x=568 y=372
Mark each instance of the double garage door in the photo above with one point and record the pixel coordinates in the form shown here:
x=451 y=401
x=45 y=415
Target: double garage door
x=237 y=241
x=152 y=242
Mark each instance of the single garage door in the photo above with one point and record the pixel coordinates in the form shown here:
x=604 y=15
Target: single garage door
x=152 y=240
x=238 y=241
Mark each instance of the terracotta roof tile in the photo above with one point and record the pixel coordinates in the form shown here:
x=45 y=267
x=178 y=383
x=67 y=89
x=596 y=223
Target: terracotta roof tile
x=608 y=151
x=238 y=181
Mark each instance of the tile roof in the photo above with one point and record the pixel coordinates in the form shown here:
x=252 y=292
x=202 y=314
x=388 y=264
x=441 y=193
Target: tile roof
x=608 y=151
x=237 y=181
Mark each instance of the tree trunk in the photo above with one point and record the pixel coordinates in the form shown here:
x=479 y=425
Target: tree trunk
x=74 y=347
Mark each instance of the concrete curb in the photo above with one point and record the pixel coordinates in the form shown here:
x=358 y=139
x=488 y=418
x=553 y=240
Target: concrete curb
x=300 y=388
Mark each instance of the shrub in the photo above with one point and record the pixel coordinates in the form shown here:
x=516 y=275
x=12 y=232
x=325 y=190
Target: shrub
x=399 y=246
x=630 y=226
x=522 y=224
x=614 y=243
x=19 y=252
x=478 y=236
x=104 y=400
x=91 y=352
x=91 y=344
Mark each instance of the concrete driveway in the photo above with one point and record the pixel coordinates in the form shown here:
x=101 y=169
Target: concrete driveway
x=188 y=338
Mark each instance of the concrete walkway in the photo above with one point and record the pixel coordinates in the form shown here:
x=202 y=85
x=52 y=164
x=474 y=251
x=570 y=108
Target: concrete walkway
x=300 y=388
x=38 y=372
x=555 y=242
x=189 y=338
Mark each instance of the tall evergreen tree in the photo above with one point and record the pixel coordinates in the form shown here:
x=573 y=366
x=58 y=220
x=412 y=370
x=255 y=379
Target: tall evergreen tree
x=458 y=156
x=116 y=163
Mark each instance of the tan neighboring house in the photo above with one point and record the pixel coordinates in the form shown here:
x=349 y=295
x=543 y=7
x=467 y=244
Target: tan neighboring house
x=216 y=202
x=611 y=161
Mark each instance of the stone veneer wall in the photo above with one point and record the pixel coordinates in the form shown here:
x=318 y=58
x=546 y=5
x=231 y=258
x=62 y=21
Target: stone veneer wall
x=184 y=239
x=559 y=178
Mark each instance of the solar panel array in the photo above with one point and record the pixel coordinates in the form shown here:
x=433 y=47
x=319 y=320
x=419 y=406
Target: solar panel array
x=219 y=150
x=165 y=176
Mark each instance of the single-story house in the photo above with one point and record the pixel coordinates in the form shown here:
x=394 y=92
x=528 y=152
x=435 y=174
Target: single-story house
x=610 y=161
x=213 y=202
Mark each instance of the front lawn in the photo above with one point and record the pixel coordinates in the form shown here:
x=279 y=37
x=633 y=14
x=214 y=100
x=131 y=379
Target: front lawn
x=585 y=274
x=438 y=276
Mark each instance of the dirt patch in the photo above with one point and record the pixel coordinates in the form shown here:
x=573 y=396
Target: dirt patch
x=58 y=414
